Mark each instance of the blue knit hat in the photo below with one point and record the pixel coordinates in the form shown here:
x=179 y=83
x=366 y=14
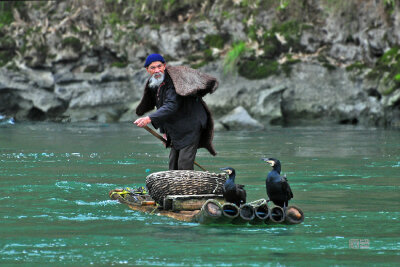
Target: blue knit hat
x=153 y=58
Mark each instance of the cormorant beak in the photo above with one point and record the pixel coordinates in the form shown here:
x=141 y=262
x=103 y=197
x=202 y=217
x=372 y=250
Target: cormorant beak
x=228 y=171
x=269 y=161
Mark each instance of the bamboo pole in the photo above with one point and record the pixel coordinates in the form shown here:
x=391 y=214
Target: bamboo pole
x=261 y=212
x=246 y=212
x=277 y=215
x=211 y=212
x=294 y=215
x=230 y=212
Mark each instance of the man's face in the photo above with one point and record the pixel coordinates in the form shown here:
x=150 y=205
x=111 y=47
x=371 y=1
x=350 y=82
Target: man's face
x=155 y=68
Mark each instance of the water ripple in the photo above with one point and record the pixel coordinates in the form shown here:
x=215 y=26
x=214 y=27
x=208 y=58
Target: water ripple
x=92 y=217
x=98 y=203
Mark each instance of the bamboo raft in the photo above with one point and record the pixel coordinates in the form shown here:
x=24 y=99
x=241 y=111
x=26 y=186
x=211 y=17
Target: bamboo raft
x=195 y=196
x=211 y=209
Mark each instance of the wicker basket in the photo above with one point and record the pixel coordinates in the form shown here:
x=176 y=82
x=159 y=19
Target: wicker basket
x=183 y=182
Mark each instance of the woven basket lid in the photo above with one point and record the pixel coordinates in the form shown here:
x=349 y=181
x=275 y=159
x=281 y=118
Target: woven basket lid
x=183 y=182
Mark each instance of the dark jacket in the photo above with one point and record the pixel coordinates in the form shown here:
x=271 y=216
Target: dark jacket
x=181 y=113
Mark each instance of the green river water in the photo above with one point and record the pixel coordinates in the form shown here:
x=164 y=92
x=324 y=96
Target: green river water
x=55 y=209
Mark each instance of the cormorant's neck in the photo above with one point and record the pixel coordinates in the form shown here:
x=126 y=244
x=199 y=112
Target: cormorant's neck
x=277 y=168
x=231 y=178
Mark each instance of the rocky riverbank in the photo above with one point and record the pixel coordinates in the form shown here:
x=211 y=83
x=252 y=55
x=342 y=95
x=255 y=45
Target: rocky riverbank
x=278 y=62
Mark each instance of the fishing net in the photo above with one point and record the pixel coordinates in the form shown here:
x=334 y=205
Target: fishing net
x=131 y=196
x=183 y=182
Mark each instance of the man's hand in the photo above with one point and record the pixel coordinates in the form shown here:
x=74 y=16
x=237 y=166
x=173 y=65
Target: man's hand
x=165 y=137
x=141 y=122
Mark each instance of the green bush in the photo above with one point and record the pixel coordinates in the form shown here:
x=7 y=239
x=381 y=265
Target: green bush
x=397 y=78
x=287 y=66
x=356 y=66
x=73 y=42
x=6 y=16
x=389 y=62
x=325 y=62
x=119 y=64
x=215 y=40
x=290 y=31
x=5 y=57
x=233 y=56
x=258 y=68
x=114 y=18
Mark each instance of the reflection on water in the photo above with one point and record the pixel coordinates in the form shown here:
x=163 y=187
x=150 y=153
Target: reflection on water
x=54 y=206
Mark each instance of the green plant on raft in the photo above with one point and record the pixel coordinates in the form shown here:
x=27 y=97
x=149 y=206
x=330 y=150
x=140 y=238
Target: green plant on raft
x=233 y=56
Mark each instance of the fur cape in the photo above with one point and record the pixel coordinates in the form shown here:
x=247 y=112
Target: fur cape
x=187 y=82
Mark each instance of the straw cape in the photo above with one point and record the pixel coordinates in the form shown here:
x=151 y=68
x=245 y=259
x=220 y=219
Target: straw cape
x=187 y=82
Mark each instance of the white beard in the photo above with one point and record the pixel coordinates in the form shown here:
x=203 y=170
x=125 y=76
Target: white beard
x=156 y=79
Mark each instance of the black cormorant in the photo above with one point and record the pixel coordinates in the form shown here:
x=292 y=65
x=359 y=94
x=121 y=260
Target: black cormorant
x=278 y=188
x=233 y=193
